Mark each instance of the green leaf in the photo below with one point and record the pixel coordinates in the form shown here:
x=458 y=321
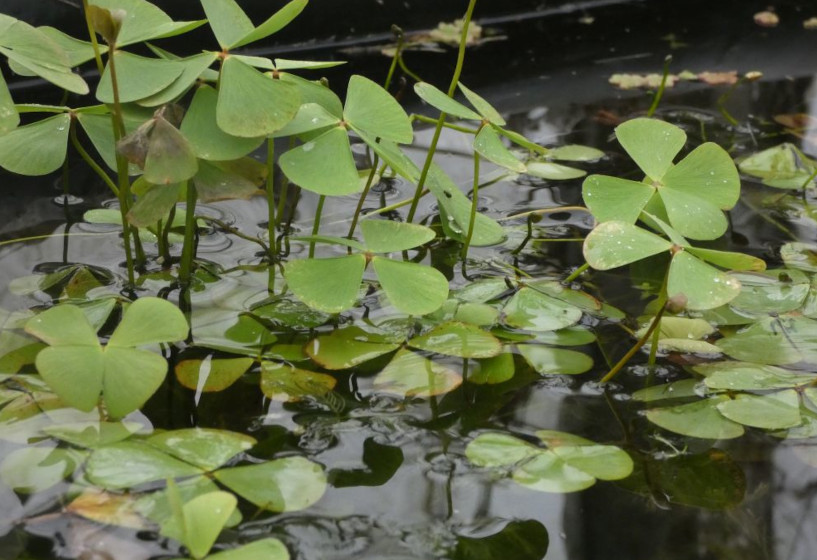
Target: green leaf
x=373 y=110
x=63 y=325
x=150 y=320
x=483 y=107
x=458 y=339
x=693 y=217
x=613 y=244
x=290 y=484
x=532 y=310
x=170 y=157
x=346 y=348
x=493 y=370
x=78 y=52
x=93 y=434
x=268 y=549
x=282 y=382
x=520 y=540
x=252 y=104
x=440 y=100
x=130 y=378
x=154 y=205
x=668 y=391
x=802 y=256
x=708 y=173
x=489 y=145
x=743 y=376
x=212 y=374
x=387 y=236
x=329 y=285
x=553 y=171
x=31 y=470
x=774 y=411
x=652 y=144
x=203 y=519
x=227 y=20
x=412 y=288
x=315 y=92
x=323 y=165
x=310 y=117
x=228 y=180
x=286 y=64
x=138 y=77
x=575 y=152
x=393 y=156
x=9 y=119
x=194 y=66
x=456 y=209
x=144 y=21
x=703 y=286
x=411 y=375
x=36 y=149
x=130 y=464
x=494 y=449
x=205 y=448
x=773 y=291
x=774 y=341
x=782 y=166
x=728 y=260
x=699 y=419
x=611 y=198
x=555 y=361
x=275 y=23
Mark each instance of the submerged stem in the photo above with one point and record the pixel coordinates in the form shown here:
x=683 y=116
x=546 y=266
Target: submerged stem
x=474 y=202
x=90 y=161
x=638 y=345
x=271 y=219
x=660 y=93
x=189 y=247
x=316 y=227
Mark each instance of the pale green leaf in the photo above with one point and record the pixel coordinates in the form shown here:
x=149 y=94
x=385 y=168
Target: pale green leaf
x=30 y=470
x=493 y=370
x=137 y=77
x=347 y=347
x=275 y=23
x=693 y=217
x=744 y=376
x=130 y=378
x=252 y=104
x=150 y=320
x=194 y=66
x=704 y=286
x=227 y=20
x=289 y=484
x=729 y=260
x=553 y=171
x=555 y=361
x=144 y=21
x=310 y=117
x=268 y=549
x=9 y=119
x=483 y=107
x=211 y=374
x=372 y=109
x=774 y=411
x=36 y=149
x=323 y=165
x=411 y=375
x=611 y=198
x=494 y=449
x=387 y=236
x=282 y=382
x=205 y=448
x=489 y=145
x=329 y=285
x=226 y=180
x=613 y=244
x=532 y=310
x=412 y=288
x=575 y=152
x=458 y=339
x=154 y=205
x=699 y=419
x=652 y=144
x=75 y=373
x=93 y=434
x=63 y=325
x=708 y=173
x=440 y=100
x=129 y=464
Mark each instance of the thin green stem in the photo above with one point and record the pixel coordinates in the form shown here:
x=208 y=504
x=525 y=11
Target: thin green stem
x=406 y=69
x=271 y=196
x=395 y=59
x=660 y=93
x=90 y=161
x=92 y=35
x=458 y=128
x=656 y=335
x=455 y=79
x=189 y=247
x=362 y=200
x=316 y=227
x=638 y=345
x=576 y=273
x=233 y=231
x=165 y=234
x=474 y=203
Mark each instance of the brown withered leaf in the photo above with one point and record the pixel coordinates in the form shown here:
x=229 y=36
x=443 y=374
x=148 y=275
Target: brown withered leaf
x=719 y=78
x=109 y=509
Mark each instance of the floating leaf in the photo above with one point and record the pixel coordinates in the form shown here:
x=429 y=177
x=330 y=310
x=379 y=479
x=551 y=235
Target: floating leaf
x=575 y=152
x=743 y=376
x=290 y=484
x=555 y=361
x=774 y=411
x=130 y=464
x=492 y=449
x=34 y=469
x=773 y=291
x=802 y=256
x=532 y=310
x=783 y=166
x=282 y=382
x=493 y=370
x=411 y=375
x=458 y=339
x=93 y=434
x=700 y=419
x=346 y=348
x=205 y=448
x=269 y=549
x=211 y=374
x=553 y=171
x=329 y=285
x=201 y=521
x=774 y=340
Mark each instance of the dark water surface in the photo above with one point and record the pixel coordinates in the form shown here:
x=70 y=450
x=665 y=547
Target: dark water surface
x=400 y=485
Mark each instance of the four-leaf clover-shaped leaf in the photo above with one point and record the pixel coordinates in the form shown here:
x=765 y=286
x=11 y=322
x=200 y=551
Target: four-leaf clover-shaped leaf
x=332 y=285
x=78 y=368
x=690 y=195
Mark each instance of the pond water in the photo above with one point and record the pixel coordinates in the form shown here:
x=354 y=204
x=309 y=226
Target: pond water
x=401 y=484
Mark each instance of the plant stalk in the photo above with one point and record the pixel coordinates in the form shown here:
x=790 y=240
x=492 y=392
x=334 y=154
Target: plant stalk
x=316 y=227
x=452 y=88
x=271 y=197
x=189 y=248
x=474 y=203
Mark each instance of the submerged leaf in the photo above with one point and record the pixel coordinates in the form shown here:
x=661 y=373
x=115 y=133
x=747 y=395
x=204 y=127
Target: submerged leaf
x=411 y=375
